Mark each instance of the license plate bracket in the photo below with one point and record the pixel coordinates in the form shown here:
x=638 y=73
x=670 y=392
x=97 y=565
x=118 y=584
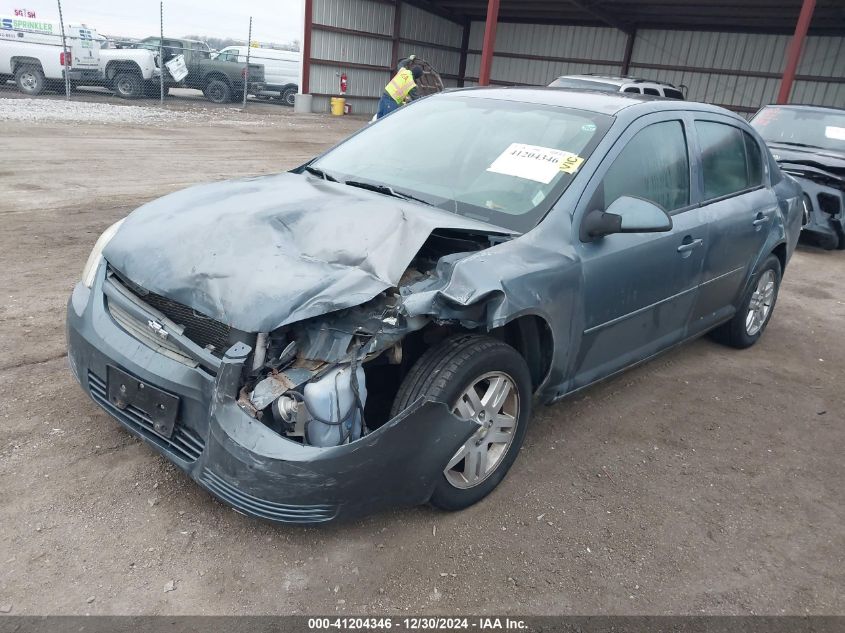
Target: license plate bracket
x=158 y=406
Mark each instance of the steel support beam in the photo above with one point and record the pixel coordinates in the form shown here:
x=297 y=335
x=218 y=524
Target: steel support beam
x=306 y=47
x=629 y=50
x=462 y=65
x=593 y=9
x=397 y=32
x=489 y=42
x=793 y=53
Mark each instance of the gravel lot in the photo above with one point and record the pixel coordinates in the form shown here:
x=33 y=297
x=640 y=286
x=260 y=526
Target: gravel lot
x=707 y=481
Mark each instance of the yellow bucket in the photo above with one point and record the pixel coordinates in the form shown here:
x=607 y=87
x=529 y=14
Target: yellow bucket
x=337 y=106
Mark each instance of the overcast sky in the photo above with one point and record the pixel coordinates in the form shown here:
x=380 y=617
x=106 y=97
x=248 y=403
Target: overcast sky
x=278 y=21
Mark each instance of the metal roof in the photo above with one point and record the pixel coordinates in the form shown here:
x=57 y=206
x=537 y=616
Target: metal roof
x=769 y=16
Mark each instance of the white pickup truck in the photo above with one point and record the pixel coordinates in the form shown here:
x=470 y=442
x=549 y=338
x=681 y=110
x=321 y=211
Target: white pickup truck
x=31 y=52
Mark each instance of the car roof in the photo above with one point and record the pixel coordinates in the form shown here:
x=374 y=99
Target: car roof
x=610 y=103
x=617 y=80
x=812 y=108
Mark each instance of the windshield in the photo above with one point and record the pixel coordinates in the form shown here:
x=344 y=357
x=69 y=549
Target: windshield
x=499 y=161
x=800 y=127
x=584 y=84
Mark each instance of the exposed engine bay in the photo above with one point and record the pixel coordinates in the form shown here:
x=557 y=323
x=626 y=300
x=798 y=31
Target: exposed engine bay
x=331 y=379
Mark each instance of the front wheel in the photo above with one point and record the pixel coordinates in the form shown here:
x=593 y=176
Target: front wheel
x=750 y=321
x=483 y=380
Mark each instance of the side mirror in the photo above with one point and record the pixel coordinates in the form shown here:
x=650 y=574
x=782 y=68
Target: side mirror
x=625 y=215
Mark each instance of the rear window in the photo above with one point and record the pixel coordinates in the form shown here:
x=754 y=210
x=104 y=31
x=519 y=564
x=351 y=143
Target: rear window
x=729 y=166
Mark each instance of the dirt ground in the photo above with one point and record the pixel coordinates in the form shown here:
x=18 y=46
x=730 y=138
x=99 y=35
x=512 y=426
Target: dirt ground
x=707 y=481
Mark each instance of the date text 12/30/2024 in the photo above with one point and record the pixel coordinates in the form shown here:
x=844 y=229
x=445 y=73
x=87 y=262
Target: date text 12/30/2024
x=416 y=624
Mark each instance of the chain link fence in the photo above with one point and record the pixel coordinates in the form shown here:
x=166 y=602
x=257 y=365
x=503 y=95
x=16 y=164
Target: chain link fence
x=40 y=57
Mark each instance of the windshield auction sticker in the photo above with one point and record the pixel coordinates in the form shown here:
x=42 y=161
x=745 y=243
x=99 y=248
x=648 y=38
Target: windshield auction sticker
x=532 y=162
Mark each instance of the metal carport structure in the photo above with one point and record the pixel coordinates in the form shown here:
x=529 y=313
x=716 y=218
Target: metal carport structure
x=739 y=54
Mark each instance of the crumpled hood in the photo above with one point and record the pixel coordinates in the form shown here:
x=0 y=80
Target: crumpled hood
x=829 y=160
x=263 y=252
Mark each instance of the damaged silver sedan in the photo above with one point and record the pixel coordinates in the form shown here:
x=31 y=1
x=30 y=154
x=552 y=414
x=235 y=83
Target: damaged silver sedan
x=371 y=329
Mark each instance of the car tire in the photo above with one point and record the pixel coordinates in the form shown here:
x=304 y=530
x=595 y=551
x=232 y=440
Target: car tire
x=30 y=80
x=756 y=309
x=128 y=85
x=451 y=372
x=218 y=91
x=289 y=96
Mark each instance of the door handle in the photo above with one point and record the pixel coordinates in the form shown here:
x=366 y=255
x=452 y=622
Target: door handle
x=689 y=246
x=760 y=220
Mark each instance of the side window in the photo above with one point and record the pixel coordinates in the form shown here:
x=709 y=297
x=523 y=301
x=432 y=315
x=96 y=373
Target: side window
x=651 y=91
x=671 y=93
x=654 y=165
x=755 y=161
x=723 y=159
x=632 y=89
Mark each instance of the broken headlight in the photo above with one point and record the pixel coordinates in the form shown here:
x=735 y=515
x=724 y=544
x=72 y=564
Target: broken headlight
x=93 y=263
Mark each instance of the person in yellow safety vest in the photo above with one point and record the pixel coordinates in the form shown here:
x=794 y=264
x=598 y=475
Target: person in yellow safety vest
x=401 y=89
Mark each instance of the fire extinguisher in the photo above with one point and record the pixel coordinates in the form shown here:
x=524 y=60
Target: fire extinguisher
x=344 y=84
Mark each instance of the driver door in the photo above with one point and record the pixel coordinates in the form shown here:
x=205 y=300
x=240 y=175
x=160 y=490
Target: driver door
x=639 y=288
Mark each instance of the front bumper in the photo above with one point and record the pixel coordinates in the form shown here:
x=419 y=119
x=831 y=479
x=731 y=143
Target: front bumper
x=822 y=227
x=240 y=460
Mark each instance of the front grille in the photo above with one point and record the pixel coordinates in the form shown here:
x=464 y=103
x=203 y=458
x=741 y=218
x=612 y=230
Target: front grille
x=143 y=333
x=200 y=328
x=184 y=443
x=261 y=508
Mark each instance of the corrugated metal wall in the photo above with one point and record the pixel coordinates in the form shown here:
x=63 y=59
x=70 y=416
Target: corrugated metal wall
x=578 y=49
x=421 y=26
x=342 y=49
x=738 y=70
x=365 y=54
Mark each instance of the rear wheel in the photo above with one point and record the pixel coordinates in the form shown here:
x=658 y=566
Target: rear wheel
x=128 y=85
x=30 y=80
x=484 y=380
x=218 y=91
x=750 y=321
x=289 y=96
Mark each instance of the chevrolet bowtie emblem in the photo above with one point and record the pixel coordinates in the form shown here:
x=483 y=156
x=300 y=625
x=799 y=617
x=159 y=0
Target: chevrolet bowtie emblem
x=158 y=328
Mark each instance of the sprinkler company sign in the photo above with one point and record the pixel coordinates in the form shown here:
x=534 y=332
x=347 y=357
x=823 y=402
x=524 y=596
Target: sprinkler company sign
x=25 y=20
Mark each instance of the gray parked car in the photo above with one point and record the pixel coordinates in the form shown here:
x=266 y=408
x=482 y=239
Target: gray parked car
x=808 y=142
x=371 y=329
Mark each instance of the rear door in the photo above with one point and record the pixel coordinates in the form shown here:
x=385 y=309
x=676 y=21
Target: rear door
x=740 y=209
x=639 y=289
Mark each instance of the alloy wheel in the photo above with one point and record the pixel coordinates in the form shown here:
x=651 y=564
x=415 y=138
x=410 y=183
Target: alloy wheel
x=492 y=401
x=761 y=303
